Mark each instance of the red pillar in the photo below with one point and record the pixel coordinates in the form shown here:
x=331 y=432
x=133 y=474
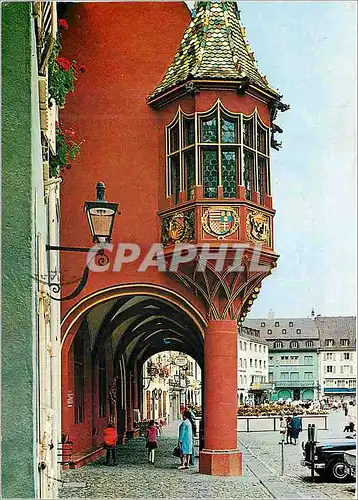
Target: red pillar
x=220 y=457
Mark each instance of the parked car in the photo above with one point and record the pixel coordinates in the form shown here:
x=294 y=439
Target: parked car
x=328 y=459
x=350 y=459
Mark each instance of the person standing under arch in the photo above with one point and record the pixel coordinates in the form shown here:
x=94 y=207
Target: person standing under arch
x=185 y=440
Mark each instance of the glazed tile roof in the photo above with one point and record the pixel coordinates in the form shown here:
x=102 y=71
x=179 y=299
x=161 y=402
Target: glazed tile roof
x=213 y=47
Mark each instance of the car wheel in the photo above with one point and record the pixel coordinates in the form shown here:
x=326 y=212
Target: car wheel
x=338 y=471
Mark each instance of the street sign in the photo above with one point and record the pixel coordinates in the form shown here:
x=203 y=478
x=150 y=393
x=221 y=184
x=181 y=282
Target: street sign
x=181 y=361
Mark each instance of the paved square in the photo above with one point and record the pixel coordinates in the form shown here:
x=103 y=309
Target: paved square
x=135 y=478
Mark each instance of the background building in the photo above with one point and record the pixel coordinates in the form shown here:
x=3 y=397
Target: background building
x=252 y=379
x=167 y=387
x=337 y=357
x=293 y=356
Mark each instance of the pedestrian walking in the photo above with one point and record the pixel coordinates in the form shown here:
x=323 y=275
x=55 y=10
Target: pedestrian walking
x=283 y=428
x=185 y=441
x=345 y=407
x=110 y=441
x=151 y=435
x=296 y=428
x=288 y=430
x=352 y=416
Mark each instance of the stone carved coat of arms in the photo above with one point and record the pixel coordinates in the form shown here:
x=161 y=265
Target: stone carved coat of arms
x=220 y=221
x=178 y=227
x=258 y=228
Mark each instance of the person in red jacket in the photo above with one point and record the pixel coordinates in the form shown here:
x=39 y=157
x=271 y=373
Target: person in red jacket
x=151 y=435
x=110 y=441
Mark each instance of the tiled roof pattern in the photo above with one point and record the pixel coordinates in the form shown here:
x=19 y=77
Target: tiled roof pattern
x=248 y=338
x=307 y=326
x=337 y=328
x=213 y=47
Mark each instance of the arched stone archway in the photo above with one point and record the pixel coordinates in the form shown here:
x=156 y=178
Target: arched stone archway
x=122 y=326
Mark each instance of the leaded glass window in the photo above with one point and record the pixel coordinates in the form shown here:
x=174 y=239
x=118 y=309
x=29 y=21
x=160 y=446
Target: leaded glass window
x=211 y=174
x=261 y=173
x=228 y=131
x=231 y=149
x=249 y=166
x=189 y=131
x=229 y=177
x=248 y=132
x=174 y=138
x=189 y=161
x=181 y=157
x=209 y=129
x=175 y=177
x=261 y=140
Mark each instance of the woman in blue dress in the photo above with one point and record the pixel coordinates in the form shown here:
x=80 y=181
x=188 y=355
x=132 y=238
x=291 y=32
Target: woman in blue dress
x=296 y=428
x=185 y=441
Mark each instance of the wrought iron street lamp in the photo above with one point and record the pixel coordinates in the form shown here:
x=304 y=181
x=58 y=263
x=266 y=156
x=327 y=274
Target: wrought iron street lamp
x=100 y=216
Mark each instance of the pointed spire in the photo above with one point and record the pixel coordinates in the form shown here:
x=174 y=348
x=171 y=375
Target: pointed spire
x=213 y=47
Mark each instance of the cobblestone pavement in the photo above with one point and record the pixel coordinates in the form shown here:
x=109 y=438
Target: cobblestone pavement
x=262 y=453
x=133 y=477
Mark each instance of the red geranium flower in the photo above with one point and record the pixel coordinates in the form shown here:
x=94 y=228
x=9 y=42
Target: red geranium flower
x=64 y=63
x=62 y=24
x=69 y=131
x=82 y=68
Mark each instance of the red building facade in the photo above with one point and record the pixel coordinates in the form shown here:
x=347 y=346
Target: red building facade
x=177 y=121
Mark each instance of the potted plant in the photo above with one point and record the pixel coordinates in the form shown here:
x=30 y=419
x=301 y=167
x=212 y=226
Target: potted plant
x=62 y=73
x=66 y=150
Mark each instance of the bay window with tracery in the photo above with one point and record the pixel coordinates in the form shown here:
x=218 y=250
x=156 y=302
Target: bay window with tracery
x=217 y=149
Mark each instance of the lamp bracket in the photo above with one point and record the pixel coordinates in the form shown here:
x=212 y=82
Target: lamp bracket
x=67 y=249
x=102 y=260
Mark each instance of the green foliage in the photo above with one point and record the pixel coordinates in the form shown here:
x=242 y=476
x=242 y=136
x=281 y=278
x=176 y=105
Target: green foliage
x=62 y=74
x=66 y=151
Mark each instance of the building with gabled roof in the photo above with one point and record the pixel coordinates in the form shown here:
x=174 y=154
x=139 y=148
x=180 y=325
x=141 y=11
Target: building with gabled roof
x=337 y=357
x=310 y=357
x=293 y=356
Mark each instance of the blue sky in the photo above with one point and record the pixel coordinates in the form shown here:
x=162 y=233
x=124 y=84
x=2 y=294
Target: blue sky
x=308 y=51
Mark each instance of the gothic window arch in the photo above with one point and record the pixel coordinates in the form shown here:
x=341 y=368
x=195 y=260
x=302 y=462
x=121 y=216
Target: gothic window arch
x=278 y=344
x=309 y=343
x=217 y=150
x=294 y=344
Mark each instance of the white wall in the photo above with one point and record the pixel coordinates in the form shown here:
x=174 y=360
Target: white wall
x=252 y=364
x=336 y=371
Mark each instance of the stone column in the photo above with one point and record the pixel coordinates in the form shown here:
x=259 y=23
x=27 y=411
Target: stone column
x=135 y=387
x=220 y=456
